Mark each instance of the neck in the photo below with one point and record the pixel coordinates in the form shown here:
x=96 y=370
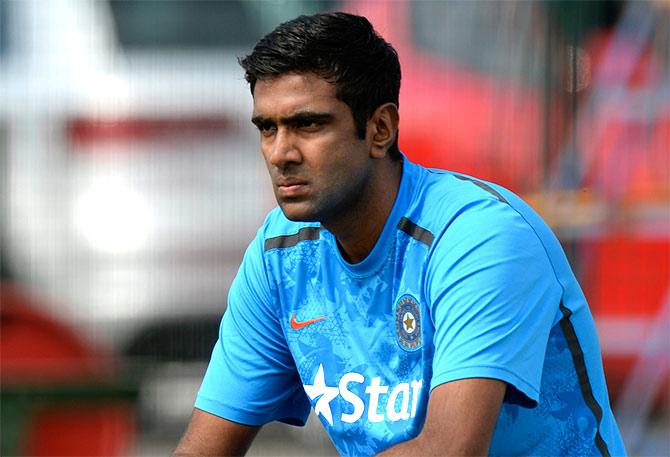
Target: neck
x=357 y=233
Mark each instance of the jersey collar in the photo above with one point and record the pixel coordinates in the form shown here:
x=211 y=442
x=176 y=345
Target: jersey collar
x=375 y=260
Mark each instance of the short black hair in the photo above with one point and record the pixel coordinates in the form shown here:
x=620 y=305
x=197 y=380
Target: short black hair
x=341 y=48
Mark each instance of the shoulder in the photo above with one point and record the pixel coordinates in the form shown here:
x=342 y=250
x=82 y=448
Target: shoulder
x=259 y=266
x=279 y=232
x=449 y=201
x=470 y=217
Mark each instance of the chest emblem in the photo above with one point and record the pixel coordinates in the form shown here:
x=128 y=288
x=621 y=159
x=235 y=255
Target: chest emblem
x=408 y=323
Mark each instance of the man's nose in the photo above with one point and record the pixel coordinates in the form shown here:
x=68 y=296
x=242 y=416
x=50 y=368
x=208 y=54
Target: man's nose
x=283 y=149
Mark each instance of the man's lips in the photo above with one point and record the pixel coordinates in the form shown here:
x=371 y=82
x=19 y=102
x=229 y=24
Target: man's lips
x=290 y=187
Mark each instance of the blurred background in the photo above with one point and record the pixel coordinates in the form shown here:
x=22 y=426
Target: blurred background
x=131 y=182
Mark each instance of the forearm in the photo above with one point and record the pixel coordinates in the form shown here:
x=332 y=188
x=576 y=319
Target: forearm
x=222 y=448
x=209 y=435
x=411 y=447
x=437 y=447
x=459 y=421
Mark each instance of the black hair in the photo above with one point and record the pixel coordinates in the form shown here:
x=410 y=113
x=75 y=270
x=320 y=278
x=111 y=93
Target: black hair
x=342 y=48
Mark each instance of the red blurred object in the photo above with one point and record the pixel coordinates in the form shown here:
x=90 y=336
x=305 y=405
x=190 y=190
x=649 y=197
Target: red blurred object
x=87 y=430
x=59 y=393
x=459 y=119
x=625 y=154
x=626 y=275
x=89 y=131
x=37 y=348
x=626 y=281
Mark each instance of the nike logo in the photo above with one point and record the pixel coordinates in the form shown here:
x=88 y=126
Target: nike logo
x=295 y=325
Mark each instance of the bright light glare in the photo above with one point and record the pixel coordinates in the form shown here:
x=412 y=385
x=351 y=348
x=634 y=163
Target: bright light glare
x=112 y=217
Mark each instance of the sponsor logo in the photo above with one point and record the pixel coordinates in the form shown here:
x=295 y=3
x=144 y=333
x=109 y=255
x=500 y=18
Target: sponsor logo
x=297 y=325
x=408 y=323
x=401 y=400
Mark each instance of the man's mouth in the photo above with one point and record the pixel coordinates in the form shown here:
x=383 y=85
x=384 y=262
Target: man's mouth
x=291 y=187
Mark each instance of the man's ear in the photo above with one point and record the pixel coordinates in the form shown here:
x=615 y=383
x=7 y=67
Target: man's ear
x=382 y=129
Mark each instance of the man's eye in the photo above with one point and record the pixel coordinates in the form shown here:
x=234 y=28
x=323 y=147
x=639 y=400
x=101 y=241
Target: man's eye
x=267 y=129
x=308 y=124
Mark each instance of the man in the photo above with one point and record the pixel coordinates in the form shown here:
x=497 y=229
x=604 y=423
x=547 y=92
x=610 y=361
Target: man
x=419 y=312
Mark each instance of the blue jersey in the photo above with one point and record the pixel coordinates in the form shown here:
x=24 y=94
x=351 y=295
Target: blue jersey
x=464 y=281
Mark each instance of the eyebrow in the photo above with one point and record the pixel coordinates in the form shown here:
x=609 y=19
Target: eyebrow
x=301 y=116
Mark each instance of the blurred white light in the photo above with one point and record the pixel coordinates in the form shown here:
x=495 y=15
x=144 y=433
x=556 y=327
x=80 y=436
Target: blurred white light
x=112 y=217
x=106 y=88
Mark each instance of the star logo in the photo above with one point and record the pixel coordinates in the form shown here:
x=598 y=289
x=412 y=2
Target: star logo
x=409 y=322
x=324 y=394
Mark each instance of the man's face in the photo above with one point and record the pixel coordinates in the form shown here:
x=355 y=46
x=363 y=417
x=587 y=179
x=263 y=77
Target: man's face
x=318 y=165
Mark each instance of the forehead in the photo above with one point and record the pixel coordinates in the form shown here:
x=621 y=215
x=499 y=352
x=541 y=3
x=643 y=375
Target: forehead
x=294 y=92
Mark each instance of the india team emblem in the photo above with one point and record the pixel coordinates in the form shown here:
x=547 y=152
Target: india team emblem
x=408 y=323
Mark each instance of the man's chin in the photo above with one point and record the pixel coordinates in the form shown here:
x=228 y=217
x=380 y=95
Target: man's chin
x=298 y=212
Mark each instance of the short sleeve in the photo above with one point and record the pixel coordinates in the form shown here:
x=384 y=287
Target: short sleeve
x=493 y=299
x=251 y=377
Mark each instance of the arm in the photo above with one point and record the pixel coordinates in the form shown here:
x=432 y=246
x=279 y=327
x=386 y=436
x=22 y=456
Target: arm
x=251 y=377
x=460 y=419
x=493 y=298
x=210 y=435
